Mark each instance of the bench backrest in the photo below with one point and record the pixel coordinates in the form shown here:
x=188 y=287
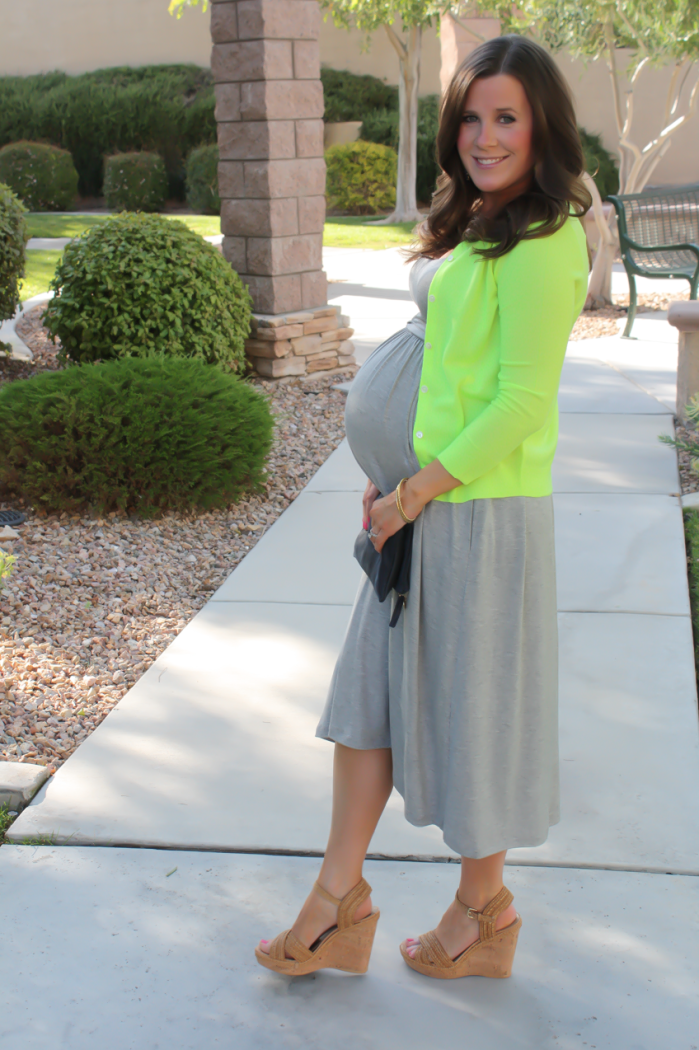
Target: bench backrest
x=664 y=216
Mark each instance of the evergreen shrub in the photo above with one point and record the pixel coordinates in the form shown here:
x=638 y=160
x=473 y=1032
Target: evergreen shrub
x=142 y=285
x=202 y=181
x=166 y=109
x=361 y=178
x=133 y=436
x=13 y=236
x=135 y=182
x=43 y=177
x=350 y=97
x=600 y=163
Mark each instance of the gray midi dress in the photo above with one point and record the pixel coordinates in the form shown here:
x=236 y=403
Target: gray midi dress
x=464 y=690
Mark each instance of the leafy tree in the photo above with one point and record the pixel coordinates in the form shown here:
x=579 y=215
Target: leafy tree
x=177 y=6
x=657 y=33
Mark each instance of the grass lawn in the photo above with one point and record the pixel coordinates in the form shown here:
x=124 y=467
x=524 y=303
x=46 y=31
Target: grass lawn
x=44 y=224
x=355 y=232
x=339 y=232
x=39 y=271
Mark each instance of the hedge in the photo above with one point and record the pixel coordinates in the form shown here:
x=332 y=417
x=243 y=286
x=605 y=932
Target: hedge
x=202 y=181
x=142 y=285
x=135 y=182
x=168 y=109
x=13 y=233
x=349 y=96
x=133 y=436
x=600 y=163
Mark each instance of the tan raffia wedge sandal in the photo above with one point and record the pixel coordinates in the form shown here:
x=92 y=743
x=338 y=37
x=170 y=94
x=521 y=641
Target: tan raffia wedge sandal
x=490 y=956
x=346 y=946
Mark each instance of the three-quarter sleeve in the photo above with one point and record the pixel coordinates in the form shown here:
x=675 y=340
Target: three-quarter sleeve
x=536 y=296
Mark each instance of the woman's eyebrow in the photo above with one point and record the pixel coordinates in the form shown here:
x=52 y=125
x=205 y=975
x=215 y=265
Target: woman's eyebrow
x=500 y=109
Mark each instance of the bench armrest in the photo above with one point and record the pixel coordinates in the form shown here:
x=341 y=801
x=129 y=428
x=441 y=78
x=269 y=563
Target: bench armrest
x=626 y=242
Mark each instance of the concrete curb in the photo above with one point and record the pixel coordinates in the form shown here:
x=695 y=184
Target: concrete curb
x=20 y=350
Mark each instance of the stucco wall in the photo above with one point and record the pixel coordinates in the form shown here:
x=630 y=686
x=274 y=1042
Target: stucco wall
x=75 y=36
x=78 y=35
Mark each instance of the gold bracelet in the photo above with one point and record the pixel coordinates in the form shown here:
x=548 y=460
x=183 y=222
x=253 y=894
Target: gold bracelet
x=399 y=504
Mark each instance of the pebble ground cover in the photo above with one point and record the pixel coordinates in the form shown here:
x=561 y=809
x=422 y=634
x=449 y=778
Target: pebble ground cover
x=93 y=601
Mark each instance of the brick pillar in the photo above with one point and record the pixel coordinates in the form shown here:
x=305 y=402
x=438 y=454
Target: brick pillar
x=269 y=108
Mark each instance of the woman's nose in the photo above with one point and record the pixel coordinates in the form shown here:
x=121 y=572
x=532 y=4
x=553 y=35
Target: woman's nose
x=487 y=136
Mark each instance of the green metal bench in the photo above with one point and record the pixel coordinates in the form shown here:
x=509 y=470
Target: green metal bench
x=659 y=237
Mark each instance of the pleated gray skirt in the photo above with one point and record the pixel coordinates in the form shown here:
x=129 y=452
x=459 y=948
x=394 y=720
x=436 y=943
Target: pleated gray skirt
x=464 y=690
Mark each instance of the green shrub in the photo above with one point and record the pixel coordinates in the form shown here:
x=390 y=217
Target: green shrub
x=202 y=181
x=43 y=177
x=141 y=285
x=135 y=182
x=134 y=436
x=13 y=232
x=361 y=178
x=600 y=163
x=381 y=125
x=350 y=97
x=165 y=109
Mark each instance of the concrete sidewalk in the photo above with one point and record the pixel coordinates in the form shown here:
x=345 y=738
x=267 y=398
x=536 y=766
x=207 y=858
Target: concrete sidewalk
x=210 y=765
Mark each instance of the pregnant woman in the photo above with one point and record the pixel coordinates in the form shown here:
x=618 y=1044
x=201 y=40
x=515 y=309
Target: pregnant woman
x=454 y=420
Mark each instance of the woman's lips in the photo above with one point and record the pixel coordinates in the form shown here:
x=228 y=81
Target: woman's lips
x=488 y=162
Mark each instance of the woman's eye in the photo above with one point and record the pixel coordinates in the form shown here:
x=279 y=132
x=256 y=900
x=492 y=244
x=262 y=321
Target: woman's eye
x=507 y=118
x=468 y=118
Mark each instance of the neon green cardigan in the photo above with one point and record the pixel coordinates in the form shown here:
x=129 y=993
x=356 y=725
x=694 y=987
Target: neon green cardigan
x=496 y=336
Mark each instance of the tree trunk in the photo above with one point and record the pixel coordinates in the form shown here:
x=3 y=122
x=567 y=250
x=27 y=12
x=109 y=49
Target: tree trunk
x=599 y=289
x=406 y=209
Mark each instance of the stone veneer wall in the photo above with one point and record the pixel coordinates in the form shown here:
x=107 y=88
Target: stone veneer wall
x=301 y=343
x=269 y=109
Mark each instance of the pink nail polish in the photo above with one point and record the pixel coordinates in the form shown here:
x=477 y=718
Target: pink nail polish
x=264 y=942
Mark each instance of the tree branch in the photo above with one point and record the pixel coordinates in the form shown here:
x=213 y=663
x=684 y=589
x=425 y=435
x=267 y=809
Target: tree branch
x=672 y=100
x=468 y=29
x=611 y=62
x=640 y=43
x=401 y=49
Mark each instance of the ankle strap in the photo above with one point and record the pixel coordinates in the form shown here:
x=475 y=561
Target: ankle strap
x=487 y=917
x=349 y=903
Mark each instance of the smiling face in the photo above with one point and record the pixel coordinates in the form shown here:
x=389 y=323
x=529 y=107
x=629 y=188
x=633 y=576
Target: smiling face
x=495 y=140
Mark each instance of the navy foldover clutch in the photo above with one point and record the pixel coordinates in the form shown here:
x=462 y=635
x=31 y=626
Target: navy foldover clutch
x=389 y=570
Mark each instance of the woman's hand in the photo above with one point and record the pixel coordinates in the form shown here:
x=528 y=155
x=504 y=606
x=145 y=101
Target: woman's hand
x=433 y=480
x=370 y=494
x=385 y=520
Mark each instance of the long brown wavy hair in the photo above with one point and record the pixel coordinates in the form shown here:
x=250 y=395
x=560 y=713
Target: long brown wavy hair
x=556 y=190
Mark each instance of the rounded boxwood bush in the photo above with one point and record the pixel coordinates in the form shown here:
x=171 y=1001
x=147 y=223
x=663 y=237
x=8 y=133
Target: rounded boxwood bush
x=43 y=177
x=361 y=178
x=134 y=436
x=135 y=181
x=202 y=181
x=142 y=285
x=13 y=235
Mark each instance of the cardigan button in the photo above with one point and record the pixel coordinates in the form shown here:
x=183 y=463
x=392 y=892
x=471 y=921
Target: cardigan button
x=419 y=434
x=424 y=389
x=431 y=298
x=428 y=346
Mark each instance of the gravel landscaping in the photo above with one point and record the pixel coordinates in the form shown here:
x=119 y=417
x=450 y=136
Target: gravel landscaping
x=93 y=601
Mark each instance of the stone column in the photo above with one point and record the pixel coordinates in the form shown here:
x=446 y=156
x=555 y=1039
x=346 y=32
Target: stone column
x=685 y=317
x=269 y=108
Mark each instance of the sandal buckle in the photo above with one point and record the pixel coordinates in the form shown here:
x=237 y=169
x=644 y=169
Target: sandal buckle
x=473 y=914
